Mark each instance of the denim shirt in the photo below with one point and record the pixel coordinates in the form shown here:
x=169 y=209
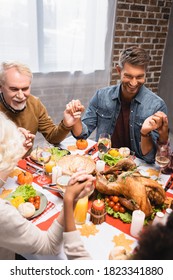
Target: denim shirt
x=105 y=106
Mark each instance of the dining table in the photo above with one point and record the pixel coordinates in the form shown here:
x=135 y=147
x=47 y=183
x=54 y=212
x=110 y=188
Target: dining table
x=99 y=239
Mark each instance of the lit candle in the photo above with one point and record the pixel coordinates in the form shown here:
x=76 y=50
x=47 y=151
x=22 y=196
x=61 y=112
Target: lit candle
x=138 y=218
x=98 y=212
x=98 y=205
x=100 y=165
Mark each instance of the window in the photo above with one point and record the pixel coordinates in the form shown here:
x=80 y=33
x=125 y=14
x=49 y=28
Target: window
x=57 y=35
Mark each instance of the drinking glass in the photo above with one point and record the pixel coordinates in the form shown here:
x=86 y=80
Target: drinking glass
x=80 y=211
x=104 y=144
x=169 y=168
x=43 y=158
x=162 y=158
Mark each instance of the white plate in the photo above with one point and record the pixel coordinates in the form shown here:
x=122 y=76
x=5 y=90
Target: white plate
x=43 y=203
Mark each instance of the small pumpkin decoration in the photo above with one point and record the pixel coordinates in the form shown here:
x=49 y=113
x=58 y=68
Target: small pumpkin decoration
x=24 y=177
x=81 y=144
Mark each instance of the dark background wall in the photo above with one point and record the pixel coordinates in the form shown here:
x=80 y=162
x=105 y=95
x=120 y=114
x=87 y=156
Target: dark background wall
x=165 y=89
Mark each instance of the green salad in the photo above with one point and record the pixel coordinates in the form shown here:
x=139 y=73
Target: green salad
x=57 y=153
x=110 y=160
x=125 y=217
x=26 y=191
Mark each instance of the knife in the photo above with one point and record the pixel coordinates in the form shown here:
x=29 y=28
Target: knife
x=90 y=152
x=48 y=187
x=34 y=166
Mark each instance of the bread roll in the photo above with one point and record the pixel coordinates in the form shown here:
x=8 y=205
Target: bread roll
x=26 y=209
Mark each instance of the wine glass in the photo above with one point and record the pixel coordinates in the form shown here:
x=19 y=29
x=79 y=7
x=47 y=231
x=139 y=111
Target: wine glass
x=104 y=143
x=43 y=156
x=162 y=158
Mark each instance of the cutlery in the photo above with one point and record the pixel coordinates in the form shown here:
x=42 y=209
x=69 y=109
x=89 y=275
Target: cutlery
x=90 y=152
x=50 y=185
x=51 y=188
x=31 y=169
x=37 y=168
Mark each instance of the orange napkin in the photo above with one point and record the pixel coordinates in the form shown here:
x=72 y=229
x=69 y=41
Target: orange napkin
x=46 y=224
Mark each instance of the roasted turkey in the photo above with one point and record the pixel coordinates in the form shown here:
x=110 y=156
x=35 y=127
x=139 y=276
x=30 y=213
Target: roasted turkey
x=134 y=190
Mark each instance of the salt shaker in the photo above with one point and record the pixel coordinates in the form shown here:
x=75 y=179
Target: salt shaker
x=167 y=213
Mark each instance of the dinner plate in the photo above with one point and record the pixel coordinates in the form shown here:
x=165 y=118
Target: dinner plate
x=43 y=203
x=53 y=152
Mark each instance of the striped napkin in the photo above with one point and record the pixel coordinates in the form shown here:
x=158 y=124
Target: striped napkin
x=50 y=206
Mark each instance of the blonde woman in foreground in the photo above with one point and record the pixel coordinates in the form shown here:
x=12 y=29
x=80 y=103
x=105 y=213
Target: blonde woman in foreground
x=17 y=234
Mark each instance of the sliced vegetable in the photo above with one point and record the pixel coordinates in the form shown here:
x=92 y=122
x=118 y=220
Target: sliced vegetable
x=17 y=201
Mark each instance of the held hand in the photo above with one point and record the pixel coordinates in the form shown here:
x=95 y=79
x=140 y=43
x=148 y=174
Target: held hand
x=29 y=137
x=73 y=113
x=75 y=106
x=158 y=121
x=163 y=127
x=80 y=185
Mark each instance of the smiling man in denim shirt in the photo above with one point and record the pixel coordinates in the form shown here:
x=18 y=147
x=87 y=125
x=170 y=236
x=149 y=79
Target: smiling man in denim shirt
x=121 y=110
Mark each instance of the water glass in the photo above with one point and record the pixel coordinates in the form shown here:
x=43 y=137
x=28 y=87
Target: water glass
x=105 y=138
x=104 y=144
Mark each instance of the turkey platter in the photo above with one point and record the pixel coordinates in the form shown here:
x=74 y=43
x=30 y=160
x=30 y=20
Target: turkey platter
x=134 y=190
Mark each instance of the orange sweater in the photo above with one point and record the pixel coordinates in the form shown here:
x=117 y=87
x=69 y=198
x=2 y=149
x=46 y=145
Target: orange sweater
x=35 y=118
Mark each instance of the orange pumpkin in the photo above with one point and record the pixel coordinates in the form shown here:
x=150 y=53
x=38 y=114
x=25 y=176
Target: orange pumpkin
x=81 y=144
x=24 y=177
